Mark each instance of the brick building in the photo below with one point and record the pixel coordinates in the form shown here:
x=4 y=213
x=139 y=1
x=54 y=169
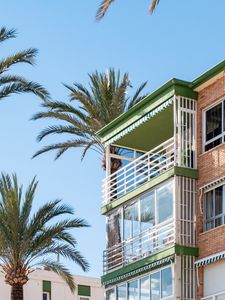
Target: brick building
x=164 y=194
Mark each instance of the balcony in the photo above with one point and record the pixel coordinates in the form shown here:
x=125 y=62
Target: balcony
x=144 y=168
x=139 y=247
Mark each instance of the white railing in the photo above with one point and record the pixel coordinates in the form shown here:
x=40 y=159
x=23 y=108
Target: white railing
x=139 y=171
x=219 y=296
x=143 y=245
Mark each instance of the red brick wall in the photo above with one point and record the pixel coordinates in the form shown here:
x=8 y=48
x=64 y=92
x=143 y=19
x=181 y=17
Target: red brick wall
x=211 y=165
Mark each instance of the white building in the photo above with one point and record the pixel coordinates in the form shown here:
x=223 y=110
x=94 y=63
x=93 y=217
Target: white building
x=46 y=285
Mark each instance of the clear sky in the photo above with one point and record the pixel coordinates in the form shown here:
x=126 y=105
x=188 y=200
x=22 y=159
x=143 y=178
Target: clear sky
x=182 y=39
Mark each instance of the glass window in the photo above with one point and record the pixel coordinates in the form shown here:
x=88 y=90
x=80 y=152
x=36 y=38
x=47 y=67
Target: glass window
x=155 y=286
x=110 y=294
x=147 y=204
x=214 y=208
x=164 y=198
x=46 y=296
x=114 y=228
x=133 y=290
x=122 y=292
x=214 y=122
x=145 y=288
x=167 y=282
x=131 y=220
x=214 y=126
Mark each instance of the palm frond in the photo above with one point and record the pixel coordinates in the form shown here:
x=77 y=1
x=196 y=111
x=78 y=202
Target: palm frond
x=25 y=56
x=153 y=5
x=24 y=87
x=61 y=270
x=103 y=7
x=6 y=34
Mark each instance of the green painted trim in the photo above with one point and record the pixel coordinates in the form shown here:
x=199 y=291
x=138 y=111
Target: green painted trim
x=147 y=264
x=185 y=250
x=84 y=290
x=220 y=67
x=186 y=172
x=170 y=88
x=46 y=286
x=139 y=267
x=139 y=190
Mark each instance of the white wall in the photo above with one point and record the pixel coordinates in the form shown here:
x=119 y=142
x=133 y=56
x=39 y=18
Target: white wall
x=60 y=291
x=214 y=278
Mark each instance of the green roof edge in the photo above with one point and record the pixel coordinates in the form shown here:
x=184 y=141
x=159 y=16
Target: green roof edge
x=173 y=83
x=208 y=74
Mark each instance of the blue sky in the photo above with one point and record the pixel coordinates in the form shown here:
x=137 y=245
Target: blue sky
x=182 y=39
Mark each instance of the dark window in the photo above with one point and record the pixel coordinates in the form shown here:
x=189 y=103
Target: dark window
x=215 y=208
x=214 y=126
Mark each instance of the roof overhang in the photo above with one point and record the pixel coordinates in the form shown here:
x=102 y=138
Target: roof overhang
x=146 y=109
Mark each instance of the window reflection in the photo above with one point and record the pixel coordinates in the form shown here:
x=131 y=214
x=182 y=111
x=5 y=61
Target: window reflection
x=110 y=294
x=133 y=290
x=145 y=288
x=155 y=286
x=165 y=202
x=122 y=292
x=167 y=289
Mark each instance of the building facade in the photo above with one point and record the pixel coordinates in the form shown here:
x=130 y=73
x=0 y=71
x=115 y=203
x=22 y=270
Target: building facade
x=46 y=285
x=164 y=194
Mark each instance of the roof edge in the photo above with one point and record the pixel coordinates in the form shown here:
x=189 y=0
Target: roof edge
x=162 y=89
x=210 y=73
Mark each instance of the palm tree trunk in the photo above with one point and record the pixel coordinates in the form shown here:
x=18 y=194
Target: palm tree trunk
x=17 y=292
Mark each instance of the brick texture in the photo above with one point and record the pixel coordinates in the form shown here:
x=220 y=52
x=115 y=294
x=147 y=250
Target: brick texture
x=211 y=166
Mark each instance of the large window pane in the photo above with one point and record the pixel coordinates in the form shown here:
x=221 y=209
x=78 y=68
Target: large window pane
x=155 y=286
x=213 y=122
x=133 y=290
x=110 y=294
x=147 y=211
x=114 y=228
x=131 y=221
x=219 y=200
x=209 y=210
x=145 y=288
x=122 y=292
x=164 y=198
x=167 y=282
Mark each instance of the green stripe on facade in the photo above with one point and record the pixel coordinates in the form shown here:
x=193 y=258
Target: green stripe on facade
x=84 y=290
x=178 y=171
x=46 y=286
x=147 y=264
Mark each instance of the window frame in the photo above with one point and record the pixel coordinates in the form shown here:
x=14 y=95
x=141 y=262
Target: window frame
x=222 y=135
x=149 y=276
x=215 y=217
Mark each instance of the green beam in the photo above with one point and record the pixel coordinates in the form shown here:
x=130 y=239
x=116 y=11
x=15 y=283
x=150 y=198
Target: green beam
x=147 y=264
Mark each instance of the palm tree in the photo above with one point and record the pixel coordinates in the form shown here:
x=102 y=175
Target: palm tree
x=14 y=84
x=105 y=4
x=94 y=108
x=28 y=240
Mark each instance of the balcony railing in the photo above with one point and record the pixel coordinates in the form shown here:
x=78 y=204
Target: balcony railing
x=219 y=296
x=139 y=171
x=143 y=245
